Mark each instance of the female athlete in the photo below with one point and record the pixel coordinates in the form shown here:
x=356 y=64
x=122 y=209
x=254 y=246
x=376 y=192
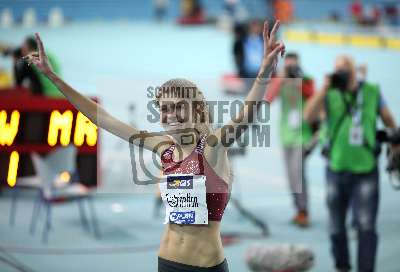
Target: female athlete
x=191 y=241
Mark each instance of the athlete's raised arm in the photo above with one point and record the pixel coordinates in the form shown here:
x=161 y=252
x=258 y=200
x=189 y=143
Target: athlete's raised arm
x=89 y=108
x=272 y=50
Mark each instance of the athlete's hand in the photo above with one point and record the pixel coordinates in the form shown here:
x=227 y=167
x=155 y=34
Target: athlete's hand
x=272 y=49
x=39 y=59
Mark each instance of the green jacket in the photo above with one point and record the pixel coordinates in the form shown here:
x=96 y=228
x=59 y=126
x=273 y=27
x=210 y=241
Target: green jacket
x=344 y=155
x=294 y=130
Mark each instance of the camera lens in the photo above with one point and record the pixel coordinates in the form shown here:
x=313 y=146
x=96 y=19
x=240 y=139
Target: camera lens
x=340 y=80
x=293 y=71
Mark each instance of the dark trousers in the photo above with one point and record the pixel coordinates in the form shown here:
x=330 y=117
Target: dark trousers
x=361 y=191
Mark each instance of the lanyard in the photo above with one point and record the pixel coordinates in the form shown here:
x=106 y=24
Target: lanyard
x=356 y=112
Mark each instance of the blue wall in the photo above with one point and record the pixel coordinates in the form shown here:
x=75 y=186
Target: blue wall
x=143 y=9
x=318 y=9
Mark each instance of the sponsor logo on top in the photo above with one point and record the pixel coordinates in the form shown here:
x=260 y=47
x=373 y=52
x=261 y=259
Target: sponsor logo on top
x=180 y=182
x=182 y=217
x=182 y=200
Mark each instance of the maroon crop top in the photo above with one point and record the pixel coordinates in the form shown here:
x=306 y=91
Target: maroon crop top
x=195 y=164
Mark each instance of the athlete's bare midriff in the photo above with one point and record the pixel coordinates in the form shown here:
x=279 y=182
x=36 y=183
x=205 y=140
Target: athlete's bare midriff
x=197 y=245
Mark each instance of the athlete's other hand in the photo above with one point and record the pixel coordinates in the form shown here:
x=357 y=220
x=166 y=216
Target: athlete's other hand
x=272 y=49
x=39 y=59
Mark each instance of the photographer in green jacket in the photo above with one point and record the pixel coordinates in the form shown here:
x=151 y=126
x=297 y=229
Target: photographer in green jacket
x=293 y=88
x=352 y=109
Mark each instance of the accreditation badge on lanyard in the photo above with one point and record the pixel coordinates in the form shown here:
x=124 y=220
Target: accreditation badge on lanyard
x=356 y=134
x=184 y=197
x=294 y=119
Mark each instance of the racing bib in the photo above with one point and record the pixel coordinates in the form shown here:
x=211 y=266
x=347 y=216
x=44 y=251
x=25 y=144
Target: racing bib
x=184 y=197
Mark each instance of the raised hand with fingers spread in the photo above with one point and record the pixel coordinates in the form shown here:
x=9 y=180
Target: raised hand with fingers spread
x=39 y=59
x=272 y=49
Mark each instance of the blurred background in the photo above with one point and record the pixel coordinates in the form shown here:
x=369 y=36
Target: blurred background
x=112 y=51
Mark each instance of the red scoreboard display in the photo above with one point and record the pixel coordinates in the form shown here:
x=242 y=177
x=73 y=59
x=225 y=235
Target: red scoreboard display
x=40 y=124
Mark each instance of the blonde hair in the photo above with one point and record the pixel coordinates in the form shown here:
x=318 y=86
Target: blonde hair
x=204 y=127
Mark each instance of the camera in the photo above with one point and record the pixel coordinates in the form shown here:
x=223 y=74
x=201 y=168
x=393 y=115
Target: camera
x=391 y=136
x=340 y=80
x=13 y=52
x=393 y=168
x=294 y=71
